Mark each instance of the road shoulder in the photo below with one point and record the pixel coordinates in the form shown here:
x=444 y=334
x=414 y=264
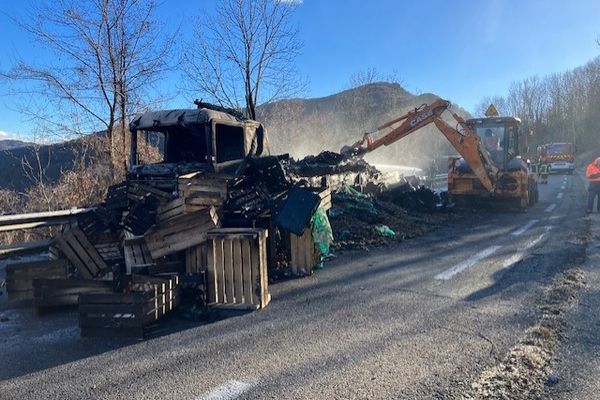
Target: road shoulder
x=578 y=363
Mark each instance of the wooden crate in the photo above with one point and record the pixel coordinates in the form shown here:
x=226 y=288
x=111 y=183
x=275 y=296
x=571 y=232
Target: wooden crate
x=203 y=188
x=20 y=276
x=196 y=258
x=127 y=314
x=304 y=254
x=237 y=268
x=110 y=252
x=116 y=315
x=137 y=255
x=48 y=293
x=181 y=232
x=176 y=208
x=166 y=289
x=138 y=191
x=82 y=254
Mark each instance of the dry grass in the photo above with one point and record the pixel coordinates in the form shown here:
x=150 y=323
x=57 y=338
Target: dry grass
x=83 y=186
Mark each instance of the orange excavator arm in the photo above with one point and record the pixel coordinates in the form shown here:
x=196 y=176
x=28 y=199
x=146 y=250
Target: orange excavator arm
x=464 y=140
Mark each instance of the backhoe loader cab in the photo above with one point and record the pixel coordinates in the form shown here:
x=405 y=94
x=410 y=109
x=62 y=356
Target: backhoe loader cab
x=501 y=138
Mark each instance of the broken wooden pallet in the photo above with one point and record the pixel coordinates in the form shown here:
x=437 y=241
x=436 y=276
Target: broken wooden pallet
x=237 y=268
x=181 y=232
x=20 y=276
x=82 y=254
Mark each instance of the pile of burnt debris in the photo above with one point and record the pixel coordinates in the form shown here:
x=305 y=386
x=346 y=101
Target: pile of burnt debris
x=169 y=237
x=330 y=163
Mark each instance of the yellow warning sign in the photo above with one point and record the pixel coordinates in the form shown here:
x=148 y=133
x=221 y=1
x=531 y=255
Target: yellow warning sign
x=491 y=111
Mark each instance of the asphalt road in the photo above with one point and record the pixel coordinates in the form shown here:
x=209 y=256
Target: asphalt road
x=419 y=320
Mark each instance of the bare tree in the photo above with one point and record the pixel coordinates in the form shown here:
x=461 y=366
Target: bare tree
x=244 y=54
x=372 y=75
x=108 y=53
x=498 y=101
x=559 y=107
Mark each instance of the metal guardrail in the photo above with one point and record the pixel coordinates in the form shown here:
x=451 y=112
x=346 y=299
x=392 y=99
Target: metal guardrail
x=38 y=220
x=24 y=248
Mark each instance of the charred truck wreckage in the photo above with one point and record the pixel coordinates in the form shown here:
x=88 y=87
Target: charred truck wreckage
x=209 y=222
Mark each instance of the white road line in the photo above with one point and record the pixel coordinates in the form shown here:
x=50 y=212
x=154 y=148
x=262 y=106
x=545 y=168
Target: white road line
x=560 y=195
x=469 y=262
x=550 y=208
x=521 y=231
x=520 y=254
x=228 y=391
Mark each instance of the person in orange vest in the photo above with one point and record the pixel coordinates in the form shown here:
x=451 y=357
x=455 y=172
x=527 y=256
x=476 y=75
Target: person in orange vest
x=592 y=172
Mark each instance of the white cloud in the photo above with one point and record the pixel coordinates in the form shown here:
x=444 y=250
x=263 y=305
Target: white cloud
x=5 y=135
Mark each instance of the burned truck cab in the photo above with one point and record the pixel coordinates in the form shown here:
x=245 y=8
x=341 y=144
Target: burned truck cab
x=174 y=142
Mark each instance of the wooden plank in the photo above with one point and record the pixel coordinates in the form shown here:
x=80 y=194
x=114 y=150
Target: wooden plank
x=201 y=257
x=238 y=271
x=211 y=274
x=309 y=251
x=294 y=253
x=228 y=265
x=255 y=260
x=220 y=270
x=265 y=297
x=247 y=272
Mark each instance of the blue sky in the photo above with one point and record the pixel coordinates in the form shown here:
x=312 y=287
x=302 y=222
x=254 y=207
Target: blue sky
x=462 y=50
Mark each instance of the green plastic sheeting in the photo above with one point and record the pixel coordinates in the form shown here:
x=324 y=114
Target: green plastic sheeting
x=322 y=234
x=385 y=230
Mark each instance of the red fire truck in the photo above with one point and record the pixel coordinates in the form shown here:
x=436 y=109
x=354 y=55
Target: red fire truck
x=559 y=156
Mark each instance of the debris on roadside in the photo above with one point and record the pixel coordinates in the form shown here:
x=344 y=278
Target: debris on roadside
x=215 y=233
x=363 y=221
x=527 y=367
